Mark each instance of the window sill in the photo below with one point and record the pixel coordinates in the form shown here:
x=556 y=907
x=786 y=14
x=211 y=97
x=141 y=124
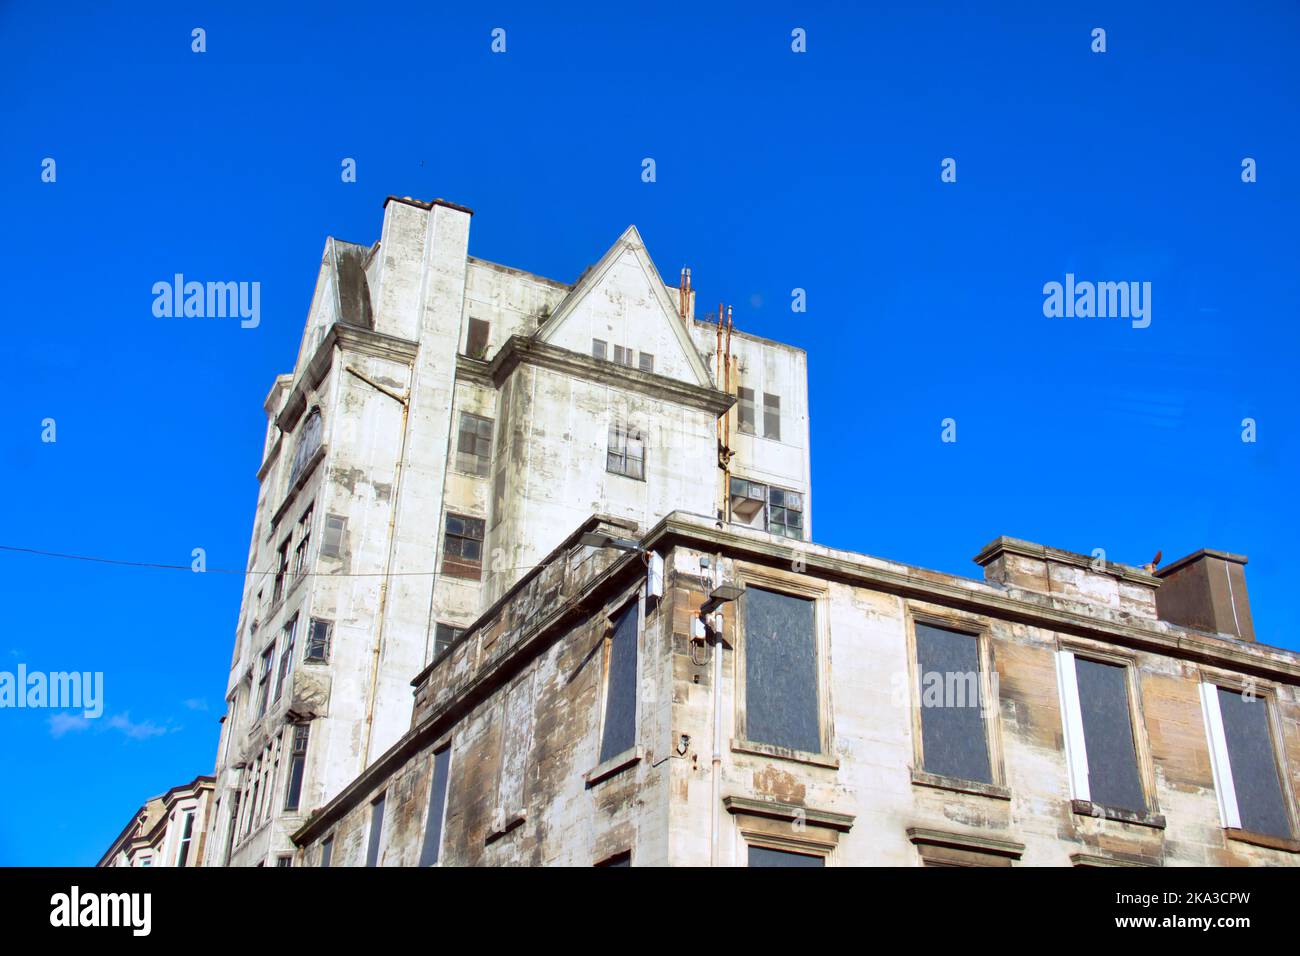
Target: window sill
x=1262 y=839
x=1086 y=808
x=938 y=781
x=742 y=746
x=615 y=765
x=509 y=823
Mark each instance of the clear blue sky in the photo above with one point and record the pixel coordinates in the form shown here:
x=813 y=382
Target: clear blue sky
x=775 y=171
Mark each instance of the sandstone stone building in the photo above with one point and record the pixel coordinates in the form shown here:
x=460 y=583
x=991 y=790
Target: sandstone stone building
x=540 y=589
x=168 y=830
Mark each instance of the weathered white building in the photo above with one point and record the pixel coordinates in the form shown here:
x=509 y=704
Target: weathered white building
x=448 y=423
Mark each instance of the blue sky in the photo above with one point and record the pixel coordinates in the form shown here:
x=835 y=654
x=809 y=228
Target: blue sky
x=775 y=170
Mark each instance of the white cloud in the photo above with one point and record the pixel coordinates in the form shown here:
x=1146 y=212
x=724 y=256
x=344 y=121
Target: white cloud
x=61 y=723
x=141 y=731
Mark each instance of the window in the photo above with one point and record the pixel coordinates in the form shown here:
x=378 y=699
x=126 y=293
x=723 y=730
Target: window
x=1243 y=756
x=474 y=445
x=286 y=655
x=444 y=636
x=318 y=641
x=304 y=543
x=284 y=860
x=647 y=362
x=745 y=409
x=953 y=738
x=476 y=340
x=309 y=439
x=599 y=349
x=233 y=828
x=781 y=696
x=376 y=831
x=331 y=544
x=618 y=733
x=626 y=451
x=617 y=860
x=766 y=856
x=326 y=850
x=462 y=547
x=297 y=764
x=187 y=835
x=622 y=356
x=771 y=416
x=785 y=513
x=264 y=681
x=1099 y=742
x=431 y=849
x=281 y=571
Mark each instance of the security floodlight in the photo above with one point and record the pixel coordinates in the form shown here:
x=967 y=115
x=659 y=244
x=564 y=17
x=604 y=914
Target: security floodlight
x=720 y=595
x=594 y=539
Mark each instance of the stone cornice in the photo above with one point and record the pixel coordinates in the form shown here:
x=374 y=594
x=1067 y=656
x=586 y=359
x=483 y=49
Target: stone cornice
x=979 y=598
x=520 y=349
x=1039 y=552
x=349 y=339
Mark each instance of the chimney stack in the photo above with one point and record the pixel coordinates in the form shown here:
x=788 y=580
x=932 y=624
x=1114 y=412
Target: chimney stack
x=1207 y=590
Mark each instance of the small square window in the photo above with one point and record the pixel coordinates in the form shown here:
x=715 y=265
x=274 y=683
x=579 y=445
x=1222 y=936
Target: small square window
x=462 y=547
x=444 y=636
x=474 y=445
x=476 y=340
x=647 y=362
x=599 y=349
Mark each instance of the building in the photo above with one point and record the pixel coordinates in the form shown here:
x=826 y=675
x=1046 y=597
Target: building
x=168 y=830
x=577 y=521
x=448 y=423
x=758 y=701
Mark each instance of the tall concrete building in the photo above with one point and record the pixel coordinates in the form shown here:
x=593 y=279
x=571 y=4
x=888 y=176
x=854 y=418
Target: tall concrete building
x=448 y=423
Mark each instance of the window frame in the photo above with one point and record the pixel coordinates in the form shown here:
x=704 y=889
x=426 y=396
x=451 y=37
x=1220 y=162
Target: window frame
x=458 y=566
x=472 y=324
x=308 y=644
x=484 y=460
x=375 y=840
x=1072 y=734
x=746 y=422
x=443 y=744
x=1211 y=679
x=791 y=585
x=978 y=629
x=633 y=599
x=621 y=427
x=771 y=410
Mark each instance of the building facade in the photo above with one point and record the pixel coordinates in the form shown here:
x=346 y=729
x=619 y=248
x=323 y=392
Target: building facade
x=758 y=701
x=448 y=423
x=169 y=830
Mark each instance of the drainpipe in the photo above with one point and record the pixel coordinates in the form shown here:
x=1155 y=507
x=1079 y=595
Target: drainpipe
x=404 y=401
x=717 y=744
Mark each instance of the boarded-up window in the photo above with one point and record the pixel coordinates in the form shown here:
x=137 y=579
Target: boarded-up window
x=462 y=547
x=326 y=850
x=781 y=696
x=771 y=416
x=474 y=444
x=623 y=356
x=516 y=745
x=766 y=856
x=599 y=349
x=331 y=544
x=431 y=850
x=745 y=409
x=1251 y=754
x=647 y=362
x=1113 y=779
x=626 y=451
x=476 y=339
x=619 y=732
x=376 y=831
x=953 y=740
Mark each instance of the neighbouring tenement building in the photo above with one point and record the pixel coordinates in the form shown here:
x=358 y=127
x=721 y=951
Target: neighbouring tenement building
x=576 y=520
x=167 y=831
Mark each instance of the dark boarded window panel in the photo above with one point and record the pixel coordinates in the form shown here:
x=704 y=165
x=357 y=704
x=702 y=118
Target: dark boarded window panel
x=1113 y=779
x=620 y=688
x=781 y=705
x=476 y=342
x=432 y=848
x=376 y=830
x=764 y=856
x=953 y=742
x=1254 y=764
x=326 y=851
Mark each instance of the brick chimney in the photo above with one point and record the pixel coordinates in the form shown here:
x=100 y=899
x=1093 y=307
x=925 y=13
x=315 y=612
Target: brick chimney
x=1207 y=590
